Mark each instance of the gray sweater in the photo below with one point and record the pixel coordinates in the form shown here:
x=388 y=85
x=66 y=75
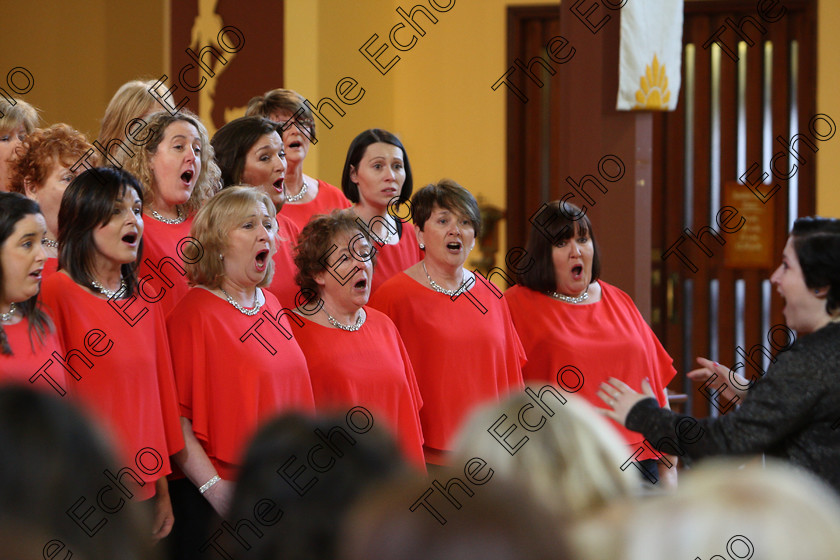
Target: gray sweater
x=792 y=412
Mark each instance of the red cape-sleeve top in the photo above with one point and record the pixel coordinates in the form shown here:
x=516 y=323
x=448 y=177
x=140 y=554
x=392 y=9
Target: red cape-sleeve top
x=461 y=357
x=166 y=280
x=329 y=198
x=283 y=284
x=369 y=368
x=393 y=259
x=608 y=338
x=123 y=373
x=234 y=372
x=33 y=364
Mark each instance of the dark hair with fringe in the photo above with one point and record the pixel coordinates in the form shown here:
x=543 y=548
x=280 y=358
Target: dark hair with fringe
x=555 y=224
x=13 y=208
x=87 y=204
x=232 y=143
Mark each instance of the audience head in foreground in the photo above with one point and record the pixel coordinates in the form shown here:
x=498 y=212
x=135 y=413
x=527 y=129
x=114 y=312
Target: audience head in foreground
x=345 y=456
x=51 y=470
x=498 y=520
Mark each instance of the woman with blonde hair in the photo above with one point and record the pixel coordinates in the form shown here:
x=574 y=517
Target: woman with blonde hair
x=124 y=120
x=721 y=509
x=236 y=361
x=17 y=119
x=178 y=174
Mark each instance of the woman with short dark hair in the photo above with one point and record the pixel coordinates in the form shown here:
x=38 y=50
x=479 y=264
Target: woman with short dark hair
x=792 y=411
x=577 y=329
x=120 y=364
x=455 y=326
x=377 y=179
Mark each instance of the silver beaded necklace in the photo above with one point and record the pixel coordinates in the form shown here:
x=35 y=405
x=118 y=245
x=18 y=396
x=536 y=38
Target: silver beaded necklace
x=179 y=220
x=299 y=195
x=105 y=291
x=438 y=288
x=569 y=299
x=50 y=242
x=6 y=317
x=351 y=328
x=249 y=312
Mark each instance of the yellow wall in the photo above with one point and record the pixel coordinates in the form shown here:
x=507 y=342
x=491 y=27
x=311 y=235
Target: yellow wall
x=437 y=97
x=828 y=102
x=80 y=53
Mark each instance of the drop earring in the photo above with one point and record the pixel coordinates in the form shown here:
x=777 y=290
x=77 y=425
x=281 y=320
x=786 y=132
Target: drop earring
x=422 y=246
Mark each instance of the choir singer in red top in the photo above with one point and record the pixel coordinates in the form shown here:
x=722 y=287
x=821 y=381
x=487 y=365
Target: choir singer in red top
x=455 y=325
x=236 y=362
x=178 y=174
x=121 y=369
x=578 y=330
x=377 y=178
x=355 y=354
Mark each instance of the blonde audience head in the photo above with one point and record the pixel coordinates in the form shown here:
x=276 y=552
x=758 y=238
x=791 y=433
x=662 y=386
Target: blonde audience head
x=775 y=512
x=571 y=464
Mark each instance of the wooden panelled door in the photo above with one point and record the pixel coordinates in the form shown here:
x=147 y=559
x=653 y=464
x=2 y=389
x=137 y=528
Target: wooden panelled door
x=533 y=129
x=747 y=107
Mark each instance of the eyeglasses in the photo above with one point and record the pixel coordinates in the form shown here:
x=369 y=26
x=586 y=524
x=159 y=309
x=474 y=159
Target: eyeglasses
x=305 y=123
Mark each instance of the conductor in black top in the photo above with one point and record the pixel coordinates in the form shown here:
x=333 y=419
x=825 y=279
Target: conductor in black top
x=793 y=411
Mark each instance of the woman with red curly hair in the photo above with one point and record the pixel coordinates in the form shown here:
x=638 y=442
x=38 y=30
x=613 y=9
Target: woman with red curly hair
x=42 y=172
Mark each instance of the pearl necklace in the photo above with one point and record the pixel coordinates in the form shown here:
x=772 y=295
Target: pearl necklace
x=106 y=292
x=351 y=328
x=299 y=195
x=50 y=242
x=437 y=288
x=179 y=220
x=6 y=317
x=248 y=312
x=569 y=299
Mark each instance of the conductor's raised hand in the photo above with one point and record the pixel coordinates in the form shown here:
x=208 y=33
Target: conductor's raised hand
x=730 y=384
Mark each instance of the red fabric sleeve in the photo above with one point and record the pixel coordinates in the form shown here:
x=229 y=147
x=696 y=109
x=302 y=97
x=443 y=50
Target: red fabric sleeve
x=32 y=363
x=608 y=338
x=461 y=356
x=161 y=273
x=283 y=284
x=120 y=372
x=233 y=372
x=369 y=368
x=393 y=259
